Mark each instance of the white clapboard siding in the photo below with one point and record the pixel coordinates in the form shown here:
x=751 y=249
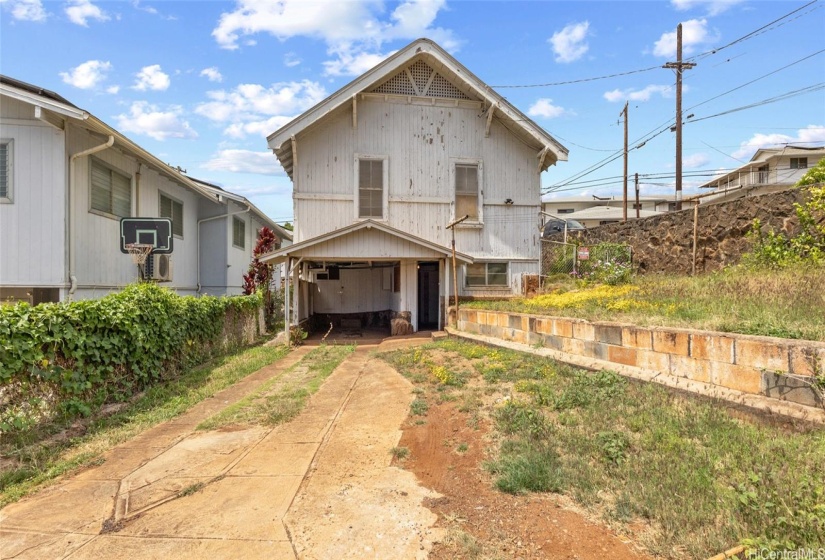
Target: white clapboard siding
x=32 y=226
x=356 y=291
x=421 y=143
x=367 y=244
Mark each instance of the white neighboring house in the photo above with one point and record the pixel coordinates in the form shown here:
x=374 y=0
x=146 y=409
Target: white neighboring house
x=769 y=170
x=66 y=179
x=382 y=166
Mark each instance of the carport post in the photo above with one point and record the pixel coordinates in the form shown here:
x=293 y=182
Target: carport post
x=286 y=300
x=451 y=226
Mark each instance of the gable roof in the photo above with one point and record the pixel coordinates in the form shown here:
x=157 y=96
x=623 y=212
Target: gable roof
x=765 y=156
x=405 y=73
x=318 y=248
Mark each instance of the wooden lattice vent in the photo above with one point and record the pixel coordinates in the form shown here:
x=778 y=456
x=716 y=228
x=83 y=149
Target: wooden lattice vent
x=421 y=80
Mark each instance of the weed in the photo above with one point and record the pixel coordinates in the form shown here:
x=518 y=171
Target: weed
x=462 y=447
x=400 y=453
x=419 y=407
x=613 y=446
x=191 y=489
x=524 y=467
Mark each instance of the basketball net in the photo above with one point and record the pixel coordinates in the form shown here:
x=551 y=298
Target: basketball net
x=139 y=253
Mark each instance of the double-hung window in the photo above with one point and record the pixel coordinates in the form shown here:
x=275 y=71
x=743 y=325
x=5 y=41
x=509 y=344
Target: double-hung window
x=6 y=170
x=487 y=274
x=238 y=232
x=468 y=194
x=111 y=190
x=371 y=186
x=172 y=209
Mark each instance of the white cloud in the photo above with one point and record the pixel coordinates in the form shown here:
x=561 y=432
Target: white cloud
x=149 y=120
x=212 y=74
x=25 y=10
x=245 y=161
x=350 y=62
x=570 y=43
x=544 y=108
x=255 y=109
x=810 y=135
x=354 y=31
x=694 y=32
x=714 y=7
x=291 y=59
x=80 y=11
x=637 y=95
x=695 y=161
x=151 y=10
x=113 y=90
x=151 y=77
x=87 y=75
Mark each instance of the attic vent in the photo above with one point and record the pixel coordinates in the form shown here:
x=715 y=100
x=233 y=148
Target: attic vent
x=442 y=88
x=421 y=74
x=400 y=84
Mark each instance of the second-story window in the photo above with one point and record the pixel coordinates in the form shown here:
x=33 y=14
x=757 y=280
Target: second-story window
x=799 y=163
x=466 y=191
x=371 y=187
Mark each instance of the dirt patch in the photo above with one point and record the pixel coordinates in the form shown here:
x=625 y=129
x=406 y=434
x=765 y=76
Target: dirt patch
x=447 y=452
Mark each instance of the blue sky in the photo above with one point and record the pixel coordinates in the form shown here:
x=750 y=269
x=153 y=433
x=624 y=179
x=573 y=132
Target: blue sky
x=201 y=84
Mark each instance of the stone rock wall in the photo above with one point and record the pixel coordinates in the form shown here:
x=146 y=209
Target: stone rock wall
x=665 y=243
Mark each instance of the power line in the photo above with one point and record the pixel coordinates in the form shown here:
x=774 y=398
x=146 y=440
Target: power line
x=781 y=97
x=581 y=80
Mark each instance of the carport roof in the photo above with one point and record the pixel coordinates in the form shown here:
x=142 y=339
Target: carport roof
x=364 y=240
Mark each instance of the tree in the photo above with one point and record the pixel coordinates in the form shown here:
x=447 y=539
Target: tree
x=288 y=226
x=259 y=276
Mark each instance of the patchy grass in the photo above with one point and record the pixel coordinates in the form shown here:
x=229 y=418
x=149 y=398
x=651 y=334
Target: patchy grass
x=33 y=459
x=698 y=477
x=400 y=453
x=282 y=398
x=786 y=303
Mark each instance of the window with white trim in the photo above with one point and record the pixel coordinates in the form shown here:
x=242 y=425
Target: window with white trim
x=370 y=187
x=487 y=274
x=6 y=170
x=111 y=191
x=172 y=209
x=238 y=232
x=467 y=191
x=799 y=163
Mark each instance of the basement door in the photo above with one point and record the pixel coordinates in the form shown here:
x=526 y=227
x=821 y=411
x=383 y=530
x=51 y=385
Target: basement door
x=428 y=284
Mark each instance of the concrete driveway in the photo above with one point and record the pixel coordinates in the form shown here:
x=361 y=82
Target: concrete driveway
x=317 y=487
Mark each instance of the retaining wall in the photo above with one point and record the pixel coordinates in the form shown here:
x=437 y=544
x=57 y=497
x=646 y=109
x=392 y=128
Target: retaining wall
x=750 y=364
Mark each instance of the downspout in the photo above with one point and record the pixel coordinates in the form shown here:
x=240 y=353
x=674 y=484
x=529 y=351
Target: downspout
x=248 y=208
x=72 y=278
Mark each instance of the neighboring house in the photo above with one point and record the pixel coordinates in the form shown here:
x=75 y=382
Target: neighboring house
x=227 y=235
x=66 y=179
x=592 y=210
x=769 y=170
x=381 y=167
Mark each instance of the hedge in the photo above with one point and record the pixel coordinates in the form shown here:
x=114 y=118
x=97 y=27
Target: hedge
x=68 y=358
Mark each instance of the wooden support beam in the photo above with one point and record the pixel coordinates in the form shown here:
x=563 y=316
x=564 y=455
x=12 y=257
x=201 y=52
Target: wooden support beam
x=429 y=83
x=355 y=111
x=490 y=112
x=412 y=81
x=541 y=156
x=49 y=118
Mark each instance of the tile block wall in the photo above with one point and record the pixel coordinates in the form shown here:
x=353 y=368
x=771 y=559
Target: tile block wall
x=751 y=364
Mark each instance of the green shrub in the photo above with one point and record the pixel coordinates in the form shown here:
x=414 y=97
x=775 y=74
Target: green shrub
x=69 y=358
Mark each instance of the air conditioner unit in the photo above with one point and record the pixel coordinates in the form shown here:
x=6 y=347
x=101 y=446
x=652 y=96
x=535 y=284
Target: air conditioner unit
x=162 y=268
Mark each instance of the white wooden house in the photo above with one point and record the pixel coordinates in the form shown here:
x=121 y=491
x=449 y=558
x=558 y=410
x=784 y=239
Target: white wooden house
x=769 y=170
x=66 y=179
x=381 y=167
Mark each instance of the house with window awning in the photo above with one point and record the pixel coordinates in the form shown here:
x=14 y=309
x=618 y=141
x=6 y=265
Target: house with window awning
x=379 y=171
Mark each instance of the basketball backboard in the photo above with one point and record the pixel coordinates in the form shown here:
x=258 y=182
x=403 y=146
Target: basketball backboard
x=154 y=231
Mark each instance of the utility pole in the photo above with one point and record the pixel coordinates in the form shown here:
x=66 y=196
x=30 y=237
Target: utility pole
x=638 y=206
x=624 y=206
x=679 y=66
x=451 y=227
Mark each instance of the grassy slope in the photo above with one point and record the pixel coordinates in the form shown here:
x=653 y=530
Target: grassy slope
x=700 y=479
x=785 y=303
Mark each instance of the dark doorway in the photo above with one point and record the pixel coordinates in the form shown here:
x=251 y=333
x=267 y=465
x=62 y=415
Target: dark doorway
x=427 y=296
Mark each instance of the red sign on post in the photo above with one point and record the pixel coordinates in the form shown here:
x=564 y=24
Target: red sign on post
x=583 y=253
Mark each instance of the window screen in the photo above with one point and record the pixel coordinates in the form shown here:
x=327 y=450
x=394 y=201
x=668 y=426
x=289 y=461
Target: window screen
x=173 y=210
x=238 y=232
x=111 y=191
x=466 y=191
x=370 y=188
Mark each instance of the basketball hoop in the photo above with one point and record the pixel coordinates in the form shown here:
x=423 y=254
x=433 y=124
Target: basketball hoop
x=139 y=252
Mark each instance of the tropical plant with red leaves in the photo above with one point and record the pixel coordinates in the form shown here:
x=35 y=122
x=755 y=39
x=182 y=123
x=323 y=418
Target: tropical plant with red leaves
x=259 y=276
